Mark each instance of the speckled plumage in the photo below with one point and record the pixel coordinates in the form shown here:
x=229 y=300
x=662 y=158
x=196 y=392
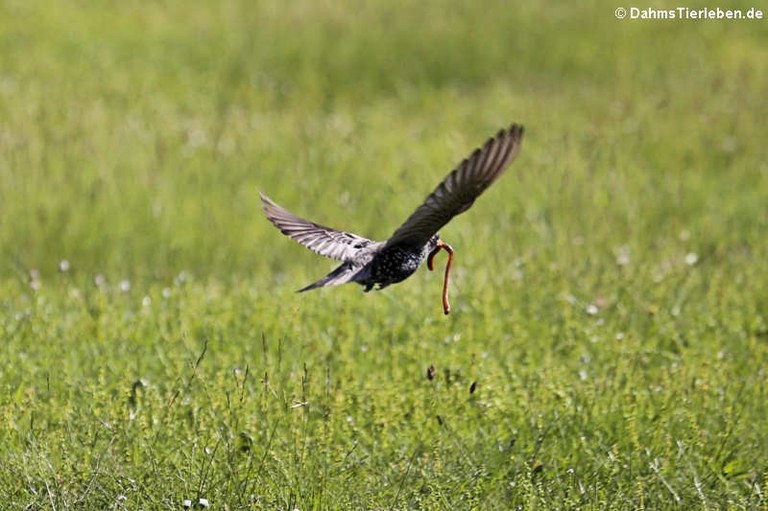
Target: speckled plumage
x=391 y=265
x=376 y=263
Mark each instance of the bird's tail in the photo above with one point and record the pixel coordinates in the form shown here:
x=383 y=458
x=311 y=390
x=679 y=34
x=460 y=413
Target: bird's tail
x=341 y=275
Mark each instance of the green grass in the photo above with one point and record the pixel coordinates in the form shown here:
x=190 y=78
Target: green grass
x=609 y=296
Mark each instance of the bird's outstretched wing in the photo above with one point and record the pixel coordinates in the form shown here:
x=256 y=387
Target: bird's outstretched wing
x=460 y=188
x=327 y=242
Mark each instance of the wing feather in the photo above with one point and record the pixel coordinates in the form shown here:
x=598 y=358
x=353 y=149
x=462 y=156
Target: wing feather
x=460 y=188
x=326 y=241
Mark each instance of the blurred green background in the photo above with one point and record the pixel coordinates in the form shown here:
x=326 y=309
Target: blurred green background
x=135 y=135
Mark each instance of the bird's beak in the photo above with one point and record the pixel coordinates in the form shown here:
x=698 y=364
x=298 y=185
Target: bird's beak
x=441 y=245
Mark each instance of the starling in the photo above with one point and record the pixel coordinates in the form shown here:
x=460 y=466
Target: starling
x=381 y=263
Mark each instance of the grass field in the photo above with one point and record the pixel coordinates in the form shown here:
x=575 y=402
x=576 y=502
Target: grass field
x=610 y=295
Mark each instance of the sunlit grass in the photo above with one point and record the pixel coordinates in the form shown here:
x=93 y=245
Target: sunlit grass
x=607 y=348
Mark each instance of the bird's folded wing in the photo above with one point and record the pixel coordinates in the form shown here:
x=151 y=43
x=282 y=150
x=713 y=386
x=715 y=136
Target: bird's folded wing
x=325 y=241
x=460 y=188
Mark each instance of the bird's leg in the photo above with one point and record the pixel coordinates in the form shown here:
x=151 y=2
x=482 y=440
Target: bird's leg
x=441 y=245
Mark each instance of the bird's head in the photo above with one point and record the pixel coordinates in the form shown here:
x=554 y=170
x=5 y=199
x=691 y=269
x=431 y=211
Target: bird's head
x=434 y=246
x=433 y=243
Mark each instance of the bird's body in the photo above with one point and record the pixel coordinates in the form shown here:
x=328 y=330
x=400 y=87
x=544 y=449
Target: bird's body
x=395 y=264
x=390 y=265
x=382 y=263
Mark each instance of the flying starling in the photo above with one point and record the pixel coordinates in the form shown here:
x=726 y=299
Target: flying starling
x=381 y=263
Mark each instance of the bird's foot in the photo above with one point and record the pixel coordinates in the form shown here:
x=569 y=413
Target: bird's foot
x=441 y=245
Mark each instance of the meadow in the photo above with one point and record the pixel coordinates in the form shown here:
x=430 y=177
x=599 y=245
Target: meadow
x=608 y=345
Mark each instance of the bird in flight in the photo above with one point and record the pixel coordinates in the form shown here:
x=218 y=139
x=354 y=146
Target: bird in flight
x=381 y=263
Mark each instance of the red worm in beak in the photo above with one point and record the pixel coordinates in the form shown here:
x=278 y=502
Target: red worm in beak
x=441 y=245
